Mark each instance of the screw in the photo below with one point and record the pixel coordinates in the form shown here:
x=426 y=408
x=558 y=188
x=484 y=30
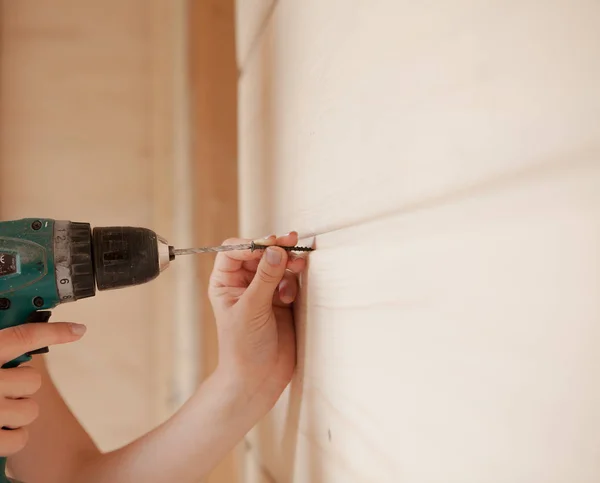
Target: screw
x=38 y=302
x=4 y=304
x=256 y=246
x=36 y=225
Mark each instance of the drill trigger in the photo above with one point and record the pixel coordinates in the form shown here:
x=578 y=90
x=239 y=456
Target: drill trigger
x=36 y=317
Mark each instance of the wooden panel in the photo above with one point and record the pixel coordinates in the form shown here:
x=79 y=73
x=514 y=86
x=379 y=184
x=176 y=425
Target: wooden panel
x=250 y=18
x=456 y=344
x=385 y=105
x=446 y=157
x=213 y=84
x=87 y=135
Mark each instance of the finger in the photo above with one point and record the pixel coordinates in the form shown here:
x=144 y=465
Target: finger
x=296 y=265
x=289 y=240
x=271 y=270
x=251 y=265
x=233 y=260
x=17 y=413
x=288 y=289
x=19 y=382
x=12 y=441
x=18 y=340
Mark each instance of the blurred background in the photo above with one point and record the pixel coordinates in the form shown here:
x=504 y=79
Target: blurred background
x=124 y=113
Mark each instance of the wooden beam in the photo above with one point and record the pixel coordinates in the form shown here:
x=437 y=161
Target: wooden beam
x=213 y=92
x=213 y=138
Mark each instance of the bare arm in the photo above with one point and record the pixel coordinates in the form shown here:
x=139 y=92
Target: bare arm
x=188 y=446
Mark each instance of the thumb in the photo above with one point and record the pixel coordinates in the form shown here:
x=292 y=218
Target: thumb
x=269 y=273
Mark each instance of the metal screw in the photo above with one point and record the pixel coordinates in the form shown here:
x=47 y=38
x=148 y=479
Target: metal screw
x=36 y=225
x=256 y=246
x=38 y=302
x=4 y=304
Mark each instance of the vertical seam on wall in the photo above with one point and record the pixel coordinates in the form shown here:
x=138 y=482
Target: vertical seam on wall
x=185 y=314
x=261 y=30
x=164 y=31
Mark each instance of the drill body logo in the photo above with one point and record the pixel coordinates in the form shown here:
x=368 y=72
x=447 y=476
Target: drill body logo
x=8 y=264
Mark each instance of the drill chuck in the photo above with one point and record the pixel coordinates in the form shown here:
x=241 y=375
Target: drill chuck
x=105 y=258
x=126 y=256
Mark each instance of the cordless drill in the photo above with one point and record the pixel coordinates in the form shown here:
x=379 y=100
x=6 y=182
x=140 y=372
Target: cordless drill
x=45 y=262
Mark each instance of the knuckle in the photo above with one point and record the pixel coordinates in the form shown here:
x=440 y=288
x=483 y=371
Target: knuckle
x=267 y=277
x=23 y=335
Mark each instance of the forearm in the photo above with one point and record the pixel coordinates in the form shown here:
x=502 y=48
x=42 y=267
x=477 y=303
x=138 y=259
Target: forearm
x=186 y=447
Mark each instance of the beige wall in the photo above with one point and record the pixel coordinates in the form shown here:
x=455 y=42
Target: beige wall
x=446 y=156
x=87 y=114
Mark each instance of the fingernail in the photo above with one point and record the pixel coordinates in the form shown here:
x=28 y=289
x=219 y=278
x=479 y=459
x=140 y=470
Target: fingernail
x=273 y=256
x=78 y=329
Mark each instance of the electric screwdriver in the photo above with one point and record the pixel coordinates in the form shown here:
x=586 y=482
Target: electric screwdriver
x=44 y=262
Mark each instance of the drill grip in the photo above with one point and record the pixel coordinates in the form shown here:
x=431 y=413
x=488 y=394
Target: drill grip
x=41 y=316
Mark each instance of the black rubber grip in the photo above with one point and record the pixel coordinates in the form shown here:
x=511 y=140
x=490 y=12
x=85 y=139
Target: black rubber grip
x=124 y=256
x=39 y=317
x=82 y=266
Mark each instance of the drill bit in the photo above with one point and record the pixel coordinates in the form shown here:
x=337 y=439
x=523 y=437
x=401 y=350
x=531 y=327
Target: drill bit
x=226 y=248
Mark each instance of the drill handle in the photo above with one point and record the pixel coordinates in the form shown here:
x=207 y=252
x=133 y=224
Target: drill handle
x=33 y=317
x=42 y=316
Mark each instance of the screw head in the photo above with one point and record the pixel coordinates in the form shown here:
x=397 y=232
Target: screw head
x=38 y=302
x=36 y=225
x=4 y=304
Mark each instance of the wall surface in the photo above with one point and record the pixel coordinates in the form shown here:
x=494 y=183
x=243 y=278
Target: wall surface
x=87 y=135
x=446 y=157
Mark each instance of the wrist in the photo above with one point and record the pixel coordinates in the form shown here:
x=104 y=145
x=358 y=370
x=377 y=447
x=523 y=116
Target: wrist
x=246 y=394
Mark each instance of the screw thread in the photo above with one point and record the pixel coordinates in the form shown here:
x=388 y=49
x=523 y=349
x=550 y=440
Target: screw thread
x=256 y=246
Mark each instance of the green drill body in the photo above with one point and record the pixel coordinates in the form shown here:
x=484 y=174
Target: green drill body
x=27 y=272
